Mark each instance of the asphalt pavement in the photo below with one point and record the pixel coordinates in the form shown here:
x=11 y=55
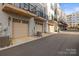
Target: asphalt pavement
x=60 y=44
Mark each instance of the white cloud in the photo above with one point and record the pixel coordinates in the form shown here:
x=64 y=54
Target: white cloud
x=76 y=9
x=73 y=10
x=69 y=11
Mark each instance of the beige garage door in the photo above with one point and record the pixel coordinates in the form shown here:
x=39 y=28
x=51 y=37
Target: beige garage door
x=39 y=27
x=51 y=28
x=20 y=29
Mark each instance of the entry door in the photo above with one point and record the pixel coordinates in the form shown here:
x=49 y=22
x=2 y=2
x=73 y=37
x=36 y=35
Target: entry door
x=39 y=27
x=51 y=28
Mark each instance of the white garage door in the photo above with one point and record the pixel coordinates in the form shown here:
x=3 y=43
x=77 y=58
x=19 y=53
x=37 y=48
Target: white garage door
x=39 y=28
x=51 y=28
x=20 y=29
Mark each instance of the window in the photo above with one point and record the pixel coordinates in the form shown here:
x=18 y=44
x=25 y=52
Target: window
x=0 y=28
x=26 y=6
x=23 y=21
x=2 y=3
x=16 y=20
x=51 y=6
x=9 y=19
x=18 y=5
x=21 y=5
x=51 y=16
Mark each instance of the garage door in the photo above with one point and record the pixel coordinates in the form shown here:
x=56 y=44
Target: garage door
x=20 y=29
x=39 y=27
x=51 y=28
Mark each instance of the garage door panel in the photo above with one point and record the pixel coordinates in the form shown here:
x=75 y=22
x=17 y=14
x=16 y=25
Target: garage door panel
x=20 y=29
x=51 y=28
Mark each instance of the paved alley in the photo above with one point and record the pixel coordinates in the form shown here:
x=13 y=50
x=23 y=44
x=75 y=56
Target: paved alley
x=54 y=45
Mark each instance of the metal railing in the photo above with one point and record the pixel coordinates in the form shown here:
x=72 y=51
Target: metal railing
x=31 y=8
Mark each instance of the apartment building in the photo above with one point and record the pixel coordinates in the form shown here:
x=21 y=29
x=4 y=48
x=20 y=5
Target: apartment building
x=73 y=20
x=60 y=17
x=19 y=20
x=57 y=15
x=63 y=21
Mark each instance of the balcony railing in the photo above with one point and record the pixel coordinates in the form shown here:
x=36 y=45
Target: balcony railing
x=31 y=8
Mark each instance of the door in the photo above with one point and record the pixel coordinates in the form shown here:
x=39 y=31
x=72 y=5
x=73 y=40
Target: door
x=39 y=27
x=20 y=28
x=51 y=28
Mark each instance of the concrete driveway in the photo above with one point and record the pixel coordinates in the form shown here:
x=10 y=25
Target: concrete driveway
x=54 y=45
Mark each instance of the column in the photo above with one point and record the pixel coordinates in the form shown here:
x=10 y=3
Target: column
x=31 y=26
x=10 y=28
x=46 y=26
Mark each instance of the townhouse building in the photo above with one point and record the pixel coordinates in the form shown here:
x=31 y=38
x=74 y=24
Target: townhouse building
x=19 y=20
x=60 y=17
x=63 y=21
x=57 y=15
x=50 y=8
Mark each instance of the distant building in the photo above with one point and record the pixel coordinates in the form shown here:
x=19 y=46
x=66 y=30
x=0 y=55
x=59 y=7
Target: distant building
x=73 y=20
x=60 y=16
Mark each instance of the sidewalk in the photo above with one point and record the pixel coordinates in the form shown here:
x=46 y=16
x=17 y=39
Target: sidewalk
x=17 y=42
x=69 y=32
x=29 y=38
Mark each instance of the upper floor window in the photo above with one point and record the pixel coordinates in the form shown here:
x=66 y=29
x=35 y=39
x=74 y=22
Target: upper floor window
x=2 y=3
x=0 y=28
x=23 y=21
x=51 y=6
x=16 y=20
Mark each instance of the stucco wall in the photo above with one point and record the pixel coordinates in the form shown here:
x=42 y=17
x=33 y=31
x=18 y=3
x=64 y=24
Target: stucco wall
x=4 y=22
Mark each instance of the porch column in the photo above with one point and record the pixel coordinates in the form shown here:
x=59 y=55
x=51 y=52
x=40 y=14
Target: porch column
x=31 y=26
x=10 y=28
x=46 y=26
x=43 y=27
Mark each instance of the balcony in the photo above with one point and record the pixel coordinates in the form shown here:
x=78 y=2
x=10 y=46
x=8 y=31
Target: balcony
x=24 y=9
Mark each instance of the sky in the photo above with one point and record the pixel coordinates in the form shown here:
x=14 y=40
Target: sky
x=69 y=8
